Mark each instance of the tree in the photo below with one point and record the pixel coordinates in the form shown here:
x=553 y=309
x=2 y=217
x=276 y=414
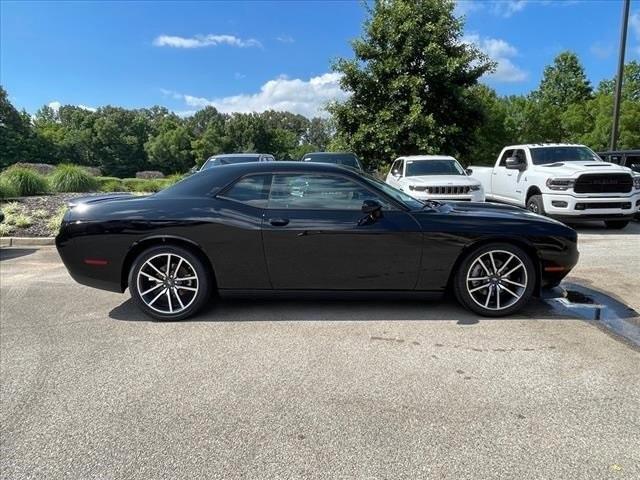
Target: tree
x=15 y=133
x=410 y=83
x=564 y=83
x=169 y=150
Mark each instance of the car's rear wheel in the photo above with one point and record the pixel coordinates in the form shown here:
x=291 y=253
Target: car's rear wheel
x=495 y=280
x=169 y=283
x=616 y=224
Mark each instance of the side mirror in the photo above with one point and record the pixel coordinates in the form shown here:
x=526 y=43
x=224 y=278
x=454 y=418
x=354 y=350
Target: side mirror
x=514 y=163
x=468 y=171
x=370 y=207
x=396 y=173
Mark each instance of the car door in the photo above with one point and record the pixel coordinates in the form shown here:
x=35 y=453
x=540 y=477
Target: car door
x=506 y=183
x=316 y=236
x=396 y=173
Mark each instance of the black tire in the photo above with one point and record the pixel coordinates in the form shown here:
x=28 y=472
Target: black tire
x=616 y=224
x=191 y=262
x=535 y=204
x=460 y=282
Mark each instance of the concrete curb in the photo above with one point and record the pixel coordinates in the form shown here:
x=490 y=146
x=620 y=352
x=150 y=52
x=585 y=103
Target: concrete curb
x=27 y=241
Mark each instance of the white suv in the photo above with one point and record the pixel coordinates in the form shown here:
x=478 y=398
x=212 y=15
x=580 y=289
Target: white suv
x=435 y=177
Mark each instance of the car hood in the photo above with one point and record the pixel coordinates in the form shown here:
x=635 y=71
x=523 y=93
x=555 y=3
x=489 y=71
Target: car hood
x=495 y=211
x=440 y=180
x=578 y=168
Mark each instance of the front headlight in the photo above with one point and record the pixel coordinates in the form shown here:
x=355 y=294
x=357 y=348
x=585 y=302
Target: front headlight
x=475 y=188
x=560 y=183
x=636 y=182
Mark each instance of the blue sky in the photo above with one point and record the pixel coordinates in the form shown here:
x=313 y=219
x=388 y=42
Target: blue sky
x=251 y=56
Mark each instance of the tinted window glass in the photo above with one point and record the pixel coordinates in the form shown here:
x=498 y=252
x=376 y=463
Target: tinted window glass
x=252 y=190
x=633 y=162
x=324 y=192
x=347 y=159
x=433 y=167
x=546 y=155
x=215 y=161
x=505 y=155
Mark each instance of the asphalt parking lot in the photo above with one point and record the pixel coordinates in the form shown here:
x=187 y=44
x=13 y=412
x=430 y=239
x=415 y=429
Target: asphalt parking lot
x=90 y=388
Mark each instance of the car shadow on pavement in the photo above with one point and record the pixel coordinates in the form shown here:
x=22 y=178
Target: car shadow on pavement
x=598 y=228
x=274 y=310
x=9 y=253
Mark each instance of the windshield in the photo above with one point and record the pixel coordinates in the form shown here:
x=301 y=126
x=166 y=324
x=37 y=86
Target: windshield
x=347 y=159
x=394 y=193
x=433 y=167
x=546 y=155
x=215 y=161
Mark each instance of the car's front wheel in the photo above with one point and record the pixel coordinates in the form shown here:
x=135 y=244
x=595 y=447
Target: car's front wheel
x=169 y=283
x=495 y=280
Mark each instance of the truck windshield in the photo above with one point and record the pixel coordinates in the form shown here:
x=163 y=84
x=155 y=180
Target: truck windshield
x=546 y=155
x=433 y=167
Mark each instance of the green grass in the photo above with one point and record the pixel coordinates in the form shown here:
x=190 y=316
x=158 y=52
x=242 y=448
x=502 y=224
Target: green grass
x=72 y=178
x=12 y=208
x=25 y=181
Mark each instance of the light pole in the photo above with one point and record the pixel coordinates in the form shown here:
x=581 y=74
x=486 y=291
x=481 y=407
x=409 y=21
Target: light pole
x=618 y=92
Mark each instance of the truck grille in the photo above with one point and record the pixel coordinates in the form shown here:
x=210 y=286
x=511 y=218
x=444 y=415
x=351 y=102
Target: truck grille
x=444 y=190
x=603 y=183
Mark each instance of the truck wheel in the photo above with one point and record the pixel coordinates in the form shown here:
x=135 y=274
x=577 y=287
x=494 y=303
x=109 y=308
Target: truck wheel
x=535 y=205
x=616 y=224
x=495 y=280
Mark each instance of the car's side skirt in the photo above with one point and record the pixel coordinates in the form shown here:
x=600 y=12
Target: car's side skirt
x=334 y=294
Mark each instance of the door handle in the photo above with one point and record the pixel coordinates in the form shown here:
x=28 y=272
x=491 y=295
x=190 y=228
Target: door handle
x=279 y=222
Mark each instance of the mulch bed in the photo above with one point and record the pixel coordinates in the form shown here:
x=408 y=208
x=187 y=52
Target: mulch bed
x=49 y=203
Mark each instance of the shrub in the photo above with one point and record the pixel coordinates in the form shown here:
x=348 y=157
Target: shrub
x=25 y=181
x=19 y=220
x=110 y=184
x=7 y=189
x=149 y=174
x=175 y=178
x=72 y=178
x=6 y=229
x=53 y=224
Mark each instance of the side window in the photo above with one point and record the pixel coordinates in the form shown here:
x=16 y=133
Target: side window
x=505 y=155
x=519 y=154
x=318 y=192
x=617 y=159
x=397 y=166
x=252 y=190
x=633 y=162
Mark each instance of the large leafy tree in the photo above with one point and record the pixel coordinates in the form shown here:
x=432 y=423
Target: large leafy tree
x=410 y=83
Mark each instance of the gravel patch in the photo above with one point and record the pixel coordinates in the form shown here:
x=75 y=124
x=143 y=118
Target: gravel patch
x=40 y=209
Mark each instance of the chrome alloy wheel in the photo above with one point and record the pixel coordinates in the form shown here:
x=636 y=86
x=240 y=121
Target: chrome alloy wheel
x=496 y=280
x=167 y=283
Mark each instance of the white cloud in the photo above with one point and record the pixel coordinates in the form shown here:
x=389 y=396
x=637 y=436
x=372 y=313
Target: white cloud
x=306 y=97
x=200 y=41
x=501 y=52
x=507 y=8
x=55 y=105
x=285 y=39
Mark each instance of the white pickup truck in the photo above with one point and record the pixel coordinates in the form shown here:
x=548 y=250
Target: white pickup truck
x=568 y=182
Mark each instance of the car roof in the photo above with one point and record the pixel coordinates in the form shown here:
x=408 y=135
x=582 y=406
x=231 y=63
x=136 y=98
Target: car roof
x=330 y=153
x=428 y=157
x=238 y=155
x=238 y=169
x=544 y=145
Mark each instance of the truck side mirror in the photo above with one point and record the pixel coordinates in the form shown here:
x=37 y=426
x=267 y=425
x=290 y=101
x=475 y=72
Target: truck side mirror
x=515 y=163
x=468 y=171
x=396 y=173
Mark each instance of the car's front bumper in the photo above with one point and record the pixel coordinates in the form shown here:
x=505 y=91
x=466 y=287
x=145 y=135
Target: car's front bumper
x=614 y=206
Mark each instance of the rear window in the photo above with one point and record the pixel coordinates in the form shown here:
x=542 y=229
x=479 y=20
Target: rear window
x=251 y=190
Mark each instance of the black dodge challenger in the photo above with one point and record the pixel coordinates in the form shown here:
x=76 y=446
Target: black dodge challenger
x=313 y=229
